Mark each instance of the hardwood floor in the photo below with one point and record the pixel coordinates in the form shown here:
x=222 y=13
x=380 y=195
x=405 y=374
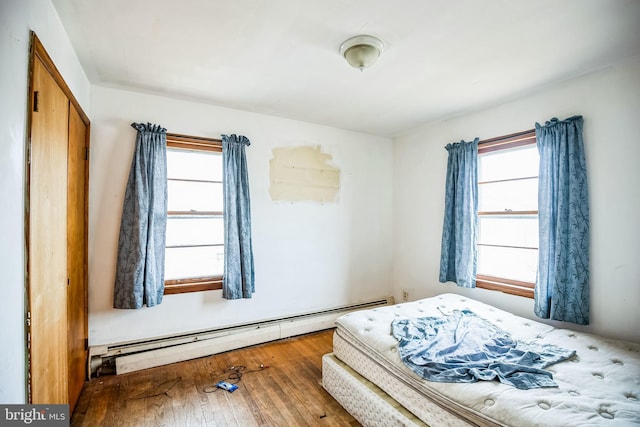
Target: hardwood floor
x=287 y=392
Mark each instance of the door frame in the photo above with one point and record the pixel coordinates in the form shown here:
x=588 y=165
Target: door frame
x=37 y=50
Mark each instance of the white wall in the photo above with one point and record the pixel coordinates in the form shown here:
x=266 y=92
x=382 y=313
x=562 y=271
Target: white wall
x=17 y=17
x=308 y=256
x=609 y=100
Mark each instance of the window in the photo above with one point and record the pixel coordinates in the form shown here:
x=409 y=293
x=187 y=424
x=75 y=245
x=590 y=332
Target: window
x=194 y=254
x=508 y=214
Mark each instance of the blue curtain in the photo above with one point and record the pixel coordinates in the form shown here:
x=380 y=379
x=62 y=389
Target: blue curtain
x=238 y=253
x=458 y=257
x=562 y=285
x=140 y=264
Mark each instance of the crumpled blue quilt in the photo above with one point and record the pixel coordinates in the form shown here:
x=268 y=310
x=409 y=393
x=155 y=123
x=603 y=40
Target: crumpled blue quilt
x=463 y=347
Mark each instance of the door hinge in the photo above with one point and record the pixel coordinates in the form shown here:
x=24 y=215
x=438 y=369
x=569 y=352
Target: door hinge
x=86 y=343
x=86 y=153
x=68 y=281
x=36 y=99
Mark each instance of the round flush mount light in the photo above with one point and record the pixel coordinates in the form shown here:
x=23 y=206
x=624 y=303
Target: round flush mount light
x=361 y=51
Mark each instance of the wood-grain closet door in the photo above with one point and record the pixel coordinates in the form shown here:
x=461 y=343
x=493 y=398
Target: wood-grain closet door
x=76 y=255
x=47 y=251
x=57 y=177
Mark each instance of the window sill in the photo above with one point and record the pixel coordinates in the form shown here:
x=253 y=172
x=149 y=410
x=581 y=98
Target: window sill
x=508 y=286
x=183 y=286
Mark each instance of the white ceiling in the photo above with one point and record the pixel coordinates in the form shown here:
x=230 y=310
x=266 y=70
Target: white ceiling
x=280 y=57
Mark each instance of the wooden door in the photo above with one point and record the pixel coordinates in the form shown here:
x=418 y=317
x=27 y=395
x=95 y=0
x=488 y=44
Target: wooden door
x=47 y=244
x=56 y=220
x=76 y=255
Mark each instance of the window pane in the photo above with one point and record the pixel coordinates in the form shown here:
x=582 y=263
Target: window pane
x=521 y=195
x=194 y=231
x=508 y=263
x=509 y=230
x=514 y=163
x=199 y=165
x=184 y=263
x=194 y=196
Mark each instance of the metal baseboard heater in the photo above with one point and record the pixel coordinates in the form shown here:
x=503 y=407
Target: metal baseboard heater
x=134 y=356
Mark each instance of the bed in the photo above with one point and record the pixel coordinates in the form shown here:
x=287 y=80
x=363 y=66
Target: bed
x=598 y=386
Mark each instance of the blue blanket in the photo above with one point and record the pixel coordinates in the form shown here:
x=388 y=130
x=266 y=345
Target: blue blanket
x=463 y=347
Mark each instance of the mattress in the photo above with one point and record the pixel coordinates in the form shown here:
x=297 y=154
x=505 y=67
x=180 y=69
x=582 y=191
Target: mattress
x=599 y=386
x=363 y=399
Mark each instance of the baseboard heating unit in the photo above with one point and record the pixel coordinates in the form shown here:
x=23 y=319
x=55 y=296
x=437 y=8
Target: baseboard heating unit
x=134 y=356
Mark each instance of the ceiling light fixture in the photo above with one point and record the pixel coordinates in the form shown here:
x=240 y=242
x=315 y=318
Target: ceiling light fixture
x=361 y=51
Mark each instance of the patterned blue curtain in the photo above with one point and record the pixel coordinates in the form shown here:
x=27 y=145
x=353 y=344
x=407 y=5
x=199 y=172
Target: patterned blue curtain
x=238 y=253
x=562 y=286
x=140 y=264
x=458 y=257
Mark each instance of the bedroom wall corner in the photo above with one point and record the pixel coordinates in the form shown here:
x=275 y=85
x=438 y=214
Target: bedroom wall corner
x=609 y=100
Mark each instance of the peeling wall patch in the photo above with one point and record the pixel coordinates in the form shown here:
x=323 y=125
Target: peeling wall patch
x=303 y=173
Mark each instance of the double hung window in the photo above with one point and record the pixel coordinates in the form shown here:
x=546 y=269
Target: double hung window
x=508 y=214
x=194 y=254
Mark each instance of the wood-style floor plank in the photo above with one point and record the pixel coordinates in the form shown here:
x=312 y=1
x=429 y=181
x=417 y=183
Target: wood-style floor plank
x=286 y=393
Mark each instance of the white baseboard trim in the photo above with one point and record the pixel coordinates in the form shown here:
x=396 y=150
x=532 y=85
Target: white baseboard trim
x=134 y=356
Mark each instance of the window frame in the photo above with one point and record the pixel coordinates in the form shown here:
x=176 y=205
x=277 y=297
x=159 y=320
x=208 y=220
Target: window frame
x=508 y=286
x=193 y=284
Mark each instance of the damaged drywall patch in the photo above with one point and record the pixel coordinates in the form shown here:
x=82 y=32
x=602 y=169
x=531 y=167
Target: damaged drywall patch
x=303 y=173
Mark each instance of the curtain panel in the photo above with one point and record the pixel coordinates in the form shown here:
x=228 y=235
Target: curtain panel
x=140 y=263
x=458 y=257
x=238 y=252
x=562 y=285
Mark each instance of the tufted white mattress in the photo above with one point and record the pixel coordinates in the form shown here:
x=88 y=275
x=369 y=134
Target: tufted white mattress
x=599 y=386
